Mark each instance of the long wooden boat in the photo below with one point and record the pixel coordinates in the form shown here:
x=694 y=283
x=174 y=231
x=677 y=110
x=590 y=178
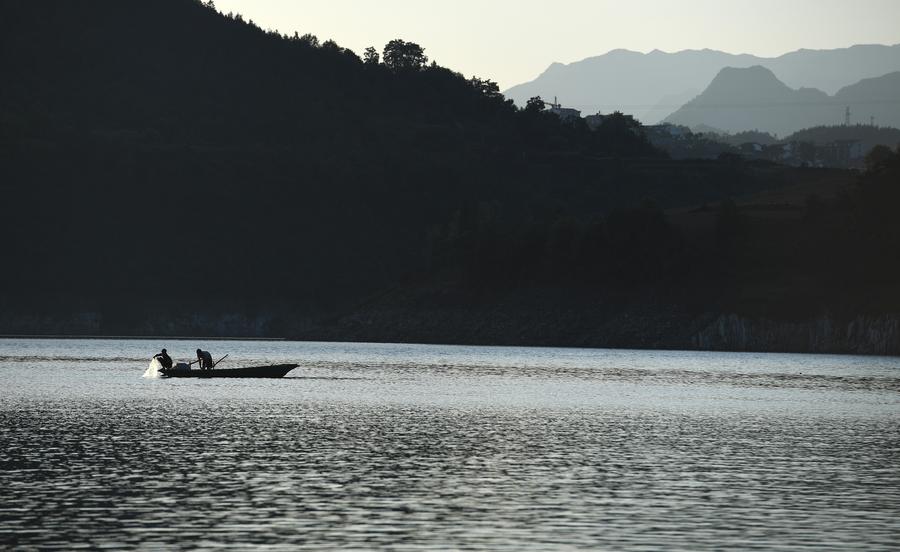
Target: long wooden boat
x=275 y=371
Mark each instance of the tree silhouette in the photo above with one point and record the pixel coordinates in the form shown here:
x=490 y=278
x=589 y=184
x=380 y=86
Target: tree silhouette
x=310 y=39
x=371 y=57
x=880 y=157
x=400 y=55
x=486 y=87
x=535 y=104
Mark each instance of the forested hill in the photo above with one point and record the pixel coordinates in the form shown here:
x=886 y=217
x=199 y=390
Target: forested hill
x=161 y=152
x=166 y=168
x=180 y=72
x=188 y=74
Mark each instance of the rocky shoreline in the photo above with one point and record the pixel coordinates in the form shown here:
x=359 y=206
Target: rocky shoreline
x=870 y=335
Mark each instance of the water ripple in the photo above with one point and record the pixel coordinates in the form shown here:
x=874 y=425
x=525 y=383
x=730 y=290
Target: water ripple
x=451 y=454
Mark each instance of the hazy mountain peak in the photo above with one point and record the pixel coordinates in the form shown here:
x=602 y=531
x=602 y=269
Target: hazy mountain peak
x=740 y=99
x=739 y=83
x=753 y=69
x=885 y=88
x=623 y=51
x=553 y=68
x=639 y=83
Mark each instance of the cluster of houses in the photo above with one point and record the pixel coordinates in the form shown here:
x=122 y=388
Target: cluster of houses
x=846 y=154
x=682 y=143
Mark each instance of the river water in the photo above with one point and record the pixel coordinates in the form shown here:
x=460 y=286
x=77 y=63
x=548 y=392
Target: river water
x=408 y=447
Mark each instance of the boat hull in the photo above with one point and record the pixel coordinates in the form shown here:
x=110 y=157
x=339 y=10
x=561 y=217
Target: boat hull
x=271 y=372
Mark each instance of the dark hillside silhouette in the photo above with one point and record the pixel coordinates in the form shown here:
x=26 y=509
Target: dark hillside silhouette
x=867 y=135
x=169 y=169
x=808 y=267
x=159 y=154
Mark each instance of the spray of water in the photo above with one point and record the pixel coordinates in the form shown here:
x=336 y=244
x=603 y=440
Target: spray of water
x=153 y=369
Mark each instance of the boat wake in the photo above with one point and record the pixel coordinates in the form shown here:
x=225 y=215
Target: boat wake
x=153 y=371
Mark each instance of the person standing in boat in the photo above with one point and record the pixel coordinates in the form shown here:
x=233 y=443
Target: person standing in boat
x=205 y=359
x=164 y=359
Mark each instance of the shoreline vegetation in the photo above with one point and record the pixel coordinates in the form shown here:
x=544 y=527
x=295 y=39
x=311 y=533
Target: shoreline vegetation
x=206 y=176
x=863 y=335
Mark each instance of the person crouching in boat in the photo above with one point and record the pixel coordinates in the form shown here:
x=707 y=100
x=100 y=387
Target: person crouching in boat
x=205 y=359
x=164 y=359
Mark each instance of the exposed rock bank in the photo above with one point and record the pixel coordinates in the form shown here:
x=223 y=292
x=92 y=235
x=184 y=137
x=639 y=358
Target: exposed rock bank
x=875 y=335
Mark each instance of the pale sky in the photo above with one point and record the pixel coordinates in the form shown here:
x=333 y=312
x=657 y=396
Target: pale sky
x=513 y=41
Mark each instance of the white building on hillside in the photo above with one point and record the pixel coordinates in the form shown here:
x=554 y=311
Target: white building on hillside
x=564 y=113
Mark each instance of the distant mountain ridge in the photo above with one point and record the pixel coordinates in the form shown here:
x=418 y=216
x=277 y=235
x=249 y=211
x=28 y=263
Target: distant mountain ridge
x=741 y=99
x=641 y=84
